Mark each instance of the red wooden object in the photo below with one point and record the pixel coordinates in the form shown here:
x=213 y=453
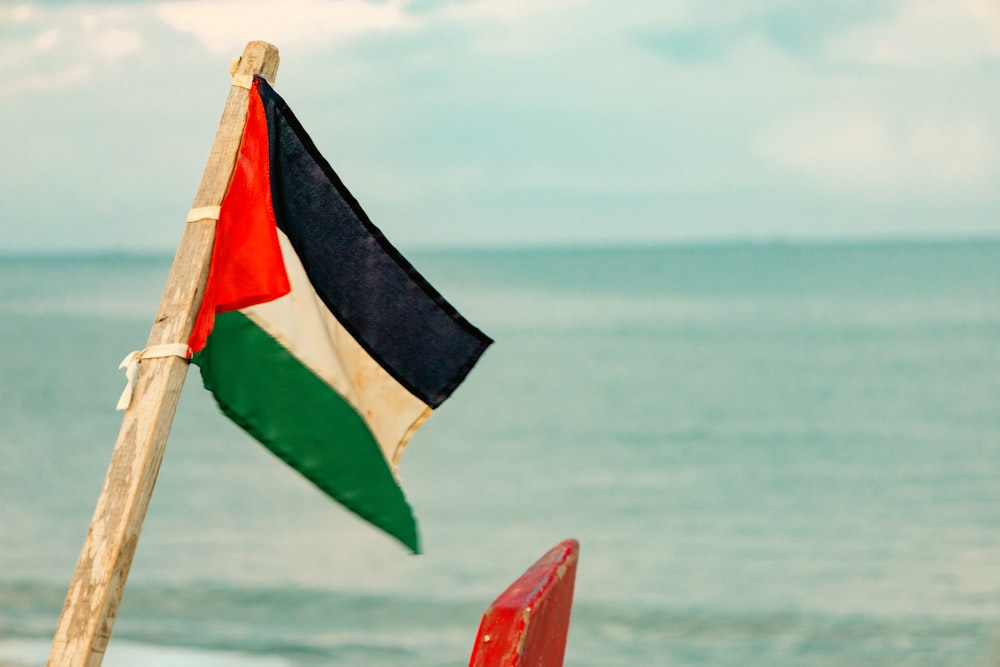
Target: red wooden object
x=527 y=625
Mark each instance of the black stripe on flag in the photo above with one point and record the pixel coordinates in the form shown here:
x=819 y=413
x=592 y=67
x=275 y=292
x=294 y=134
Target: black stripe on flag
x=375 y=293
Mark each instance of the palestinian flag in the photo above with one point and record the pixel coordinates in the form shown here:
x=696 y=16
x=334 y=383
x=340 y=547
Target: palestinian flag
x=315 y=335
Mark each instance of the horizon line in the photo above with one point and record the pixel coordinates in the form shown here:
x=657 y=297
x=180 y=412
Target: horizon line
x=554 y=246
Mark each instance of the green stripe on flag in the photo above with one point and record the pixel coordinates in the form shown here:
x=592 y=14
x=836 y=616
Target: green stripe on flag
x=262 y=387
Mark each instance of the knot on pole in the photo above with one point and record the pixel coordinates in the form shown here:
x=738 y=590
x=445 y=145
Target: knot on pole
x=131 y=365
x=204 y=213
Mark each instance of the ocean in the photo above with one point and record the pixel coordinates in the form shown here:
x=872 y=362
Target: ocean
x=772 y=454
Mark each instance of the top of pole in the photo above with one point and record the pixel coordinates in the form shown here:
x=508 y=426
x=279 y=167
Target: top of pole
x=102 y=569
x=258 y=58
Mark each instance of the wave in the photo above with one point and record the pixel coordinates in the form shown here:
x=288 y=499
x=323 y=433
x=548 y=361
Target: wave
x=225 y=627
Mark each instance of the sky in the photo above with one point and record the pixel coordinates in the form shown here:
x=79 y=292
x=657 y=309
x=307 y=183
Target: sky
x=502 y=123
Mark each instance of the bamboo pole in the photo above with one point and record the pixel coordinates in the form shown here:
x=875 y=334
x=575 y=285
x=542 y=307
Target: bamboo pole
x=99 y=580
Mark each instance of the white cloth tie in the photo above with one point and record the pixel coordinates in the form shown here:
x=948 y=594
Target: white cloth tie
x=243 y=80
x=131 y=365
x=204 y=213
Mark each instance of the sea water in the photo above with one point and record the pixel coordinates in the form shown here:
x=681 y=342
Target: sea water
x=771 y=454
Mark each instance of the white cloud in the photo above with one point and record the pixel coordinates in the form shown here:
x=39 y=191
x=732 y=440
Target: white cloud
x=929 y=33
x=530 y=27
x=510 y=26
x=17 y=13
x=877 y=152
x=508 y=11
x=114 y=43
x=225 y=26
x=65 y=77
x=58 y=47
x=47 y=39
x=571 y=102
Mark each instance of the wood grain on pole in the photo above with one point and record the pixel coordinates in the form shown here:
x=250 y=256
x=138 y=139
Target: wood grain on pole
x=95 y=591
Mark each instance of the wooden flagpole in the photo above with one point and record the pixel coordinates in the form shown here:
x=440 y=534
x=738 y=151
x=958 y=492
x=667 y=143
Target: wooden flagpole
x=99 y=580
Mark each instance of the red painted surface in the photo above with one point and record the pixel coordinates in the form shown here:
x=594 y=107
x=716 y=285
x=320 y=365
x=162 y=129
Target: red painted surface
x=247 y=267
x=527 y=625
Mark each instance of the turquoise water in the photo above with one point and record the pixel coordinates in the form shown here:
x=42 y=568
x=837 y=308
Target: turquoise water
x=771 y=454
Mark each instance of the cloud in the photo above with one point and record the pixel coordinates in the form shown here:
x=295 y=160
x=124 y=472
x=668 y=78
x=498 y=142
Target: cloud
x=17 y=13
x=895 y=107
x=873 y=151
x=924 y=33
x=47 y=39
x=671 y=116
x=58 y=47
x=518 y=27
x=225 y=26
x=507 y=11
x=696 y=32
x=114 y=43
x=66 y=77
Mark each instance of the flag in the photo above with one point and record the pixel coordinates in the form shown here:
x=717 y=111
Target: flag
x=315 y=335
